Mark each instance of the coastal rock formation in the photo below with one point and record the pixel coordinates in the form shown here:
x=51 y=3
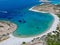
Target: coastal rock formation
x=47 y=7
x=6 y=28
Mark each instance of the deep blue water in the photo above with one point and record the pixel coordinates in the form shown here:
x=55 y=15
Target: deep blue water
x=13 y=5
x=29 y=23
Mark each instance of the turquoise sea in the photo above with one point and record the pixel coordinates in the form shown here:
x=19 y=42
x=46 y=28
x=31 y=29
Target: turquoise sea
x=28 y=23
x=32 y=23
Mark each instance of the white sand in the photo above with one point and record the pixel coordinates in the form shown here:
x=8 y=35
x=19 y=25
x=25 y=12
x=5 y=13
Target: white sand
x=17 y=41
x=31 y=9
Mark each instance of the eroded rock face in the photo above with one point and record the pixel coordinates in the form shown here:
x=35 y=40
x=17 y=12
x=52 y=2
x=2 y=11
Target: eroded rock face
x=4 y=37
x=6 y=28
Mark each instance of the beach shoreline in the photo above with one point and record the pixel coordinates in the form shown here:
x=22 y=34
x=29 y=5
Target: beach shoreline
x=17 y=41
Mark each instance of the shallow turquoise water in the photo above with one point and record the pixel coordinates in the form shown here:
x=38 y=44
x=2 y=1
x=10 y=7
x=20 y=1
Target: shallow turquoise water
x=32 y=23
